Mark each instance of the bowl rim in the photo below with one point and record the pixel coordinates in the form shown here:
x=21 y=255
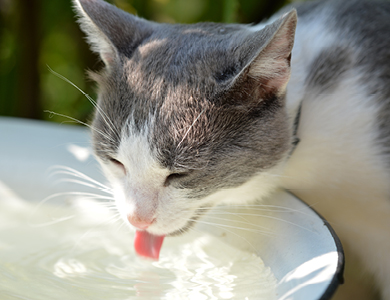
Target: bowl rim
x=338 y=277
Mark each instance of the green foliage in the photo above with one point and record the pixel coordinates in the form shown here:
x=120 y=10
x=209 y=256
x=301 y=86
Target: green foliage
x=61 y=46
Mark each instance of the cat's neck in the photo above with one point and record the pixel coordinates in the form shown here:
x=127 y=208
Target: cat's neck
x=294 y=109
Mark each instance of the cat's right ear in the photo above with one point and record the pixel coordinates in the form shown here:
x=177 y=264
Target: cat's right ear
x=110 y=31
x=266 y=54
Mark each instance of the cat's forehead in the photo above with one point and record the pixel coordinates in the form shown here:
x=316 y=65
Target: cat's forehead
x=187 y=54
x=197 y=89
x=192 y=41
x=170 y=79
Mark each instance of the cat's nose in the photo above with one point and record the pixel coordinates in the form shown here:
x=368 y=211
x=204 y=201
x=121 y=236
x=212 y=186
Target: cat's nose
x=138 y=222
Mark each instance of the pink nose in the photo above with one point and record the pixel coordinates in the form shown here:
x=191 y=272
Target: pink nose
x=138 y=222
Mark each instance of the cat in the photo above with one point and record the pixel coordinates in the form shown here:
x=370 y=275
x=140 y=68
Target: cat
x=190 y=116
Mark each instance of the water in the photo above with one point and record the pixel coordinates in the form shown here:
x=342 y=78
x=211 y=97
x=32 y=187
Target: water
x=86 y=256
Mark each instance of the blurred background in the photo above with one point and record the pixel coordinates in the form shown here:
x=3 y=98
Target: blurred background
x=37 y=34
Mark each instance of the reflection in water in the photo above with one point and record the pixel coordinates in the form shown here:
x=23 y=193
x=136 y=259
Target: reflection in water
x=319 y=269
x=89 y=257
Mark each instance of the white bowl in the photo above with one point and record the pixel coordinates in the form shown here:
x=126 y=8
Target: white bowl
x=304 y=254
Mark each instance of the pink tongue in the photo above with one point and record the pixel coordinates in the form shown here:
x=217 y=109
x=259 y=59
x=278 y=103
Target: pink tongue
x=148 y=245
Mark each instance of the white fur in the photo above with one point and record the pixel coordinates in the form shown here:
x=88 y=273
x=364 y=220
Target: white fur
x=140 y=190
x=258 y=188
x=337 y=167
x=136 y=190
x=97 y=39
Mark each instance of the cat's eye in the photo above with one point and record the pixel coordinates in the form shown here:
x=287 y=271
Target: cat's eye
x=117 y=164
x=173 y=177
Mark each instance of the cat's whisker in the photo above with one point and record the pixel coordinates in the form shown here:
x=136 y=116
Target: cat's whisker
x=239 y=236
x=110 y=203
x=121 y=225
x=80 y=182
x=39 y=205
x=210 y=213
x=92 y=101
x=104 y=116
x=90 y=230
x=244 y=222
x=70 y=171
x=262 y=208
x=250 y=205
x=279 y=175
x=188 y=130
x=114 y=219
x=87 y=184
x=85 y=194
x=57 y=195
x=270 y=217
x=190 y=168
x=52 y=222
x=55 y=221
x=82 y=123
x=267 y=233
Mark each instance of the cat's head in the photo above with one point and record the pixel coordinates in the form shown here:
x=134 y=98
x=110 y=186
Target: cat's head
x=188 y=116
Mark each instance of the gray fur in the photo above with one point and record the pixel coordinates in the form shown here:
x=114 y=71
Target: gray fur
x=210 y=121
x=327 y=70
x=364 y=30
x=369 y=34
x=180 y=73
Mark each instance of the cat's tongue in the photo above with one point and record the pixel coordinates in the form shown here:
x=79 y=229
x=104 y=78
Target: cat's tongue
x=148 y=245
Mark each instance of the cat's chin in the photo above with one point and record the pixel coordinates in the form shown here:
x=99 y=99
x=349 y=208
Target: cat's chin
x=175 y=232
x=188 y=225
x=183 y=229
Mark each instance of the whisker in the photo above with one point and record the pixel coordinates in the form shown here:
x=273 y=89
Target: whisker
x=269 y=217
x=70 y=171
x=69 y=180
x=193 y=123
x=106 y=119
x=91 y=229
x=267 y=208
x=56 y=221
x=245 y=222
x=114 y=219
x=56 y=195
x=82 y=123
x=121 y=224
x=234 y=233
x=235 y=227
x=110 y=204
x=85 y=194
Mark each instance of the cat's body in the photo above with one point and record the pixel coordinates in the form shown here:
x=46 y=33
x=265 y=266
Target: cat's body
x=341 y=165
x=195 y=115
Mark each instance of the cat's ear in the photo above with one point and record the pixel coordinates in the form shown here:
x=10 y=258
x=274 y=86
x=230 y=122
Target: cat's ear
x=110 y=31
x=267 y=54
x=272 y=64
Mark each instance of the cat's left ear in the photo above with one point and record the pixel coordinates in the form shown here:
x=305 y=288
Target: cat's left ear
x=110 y=31
x=267 y=54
